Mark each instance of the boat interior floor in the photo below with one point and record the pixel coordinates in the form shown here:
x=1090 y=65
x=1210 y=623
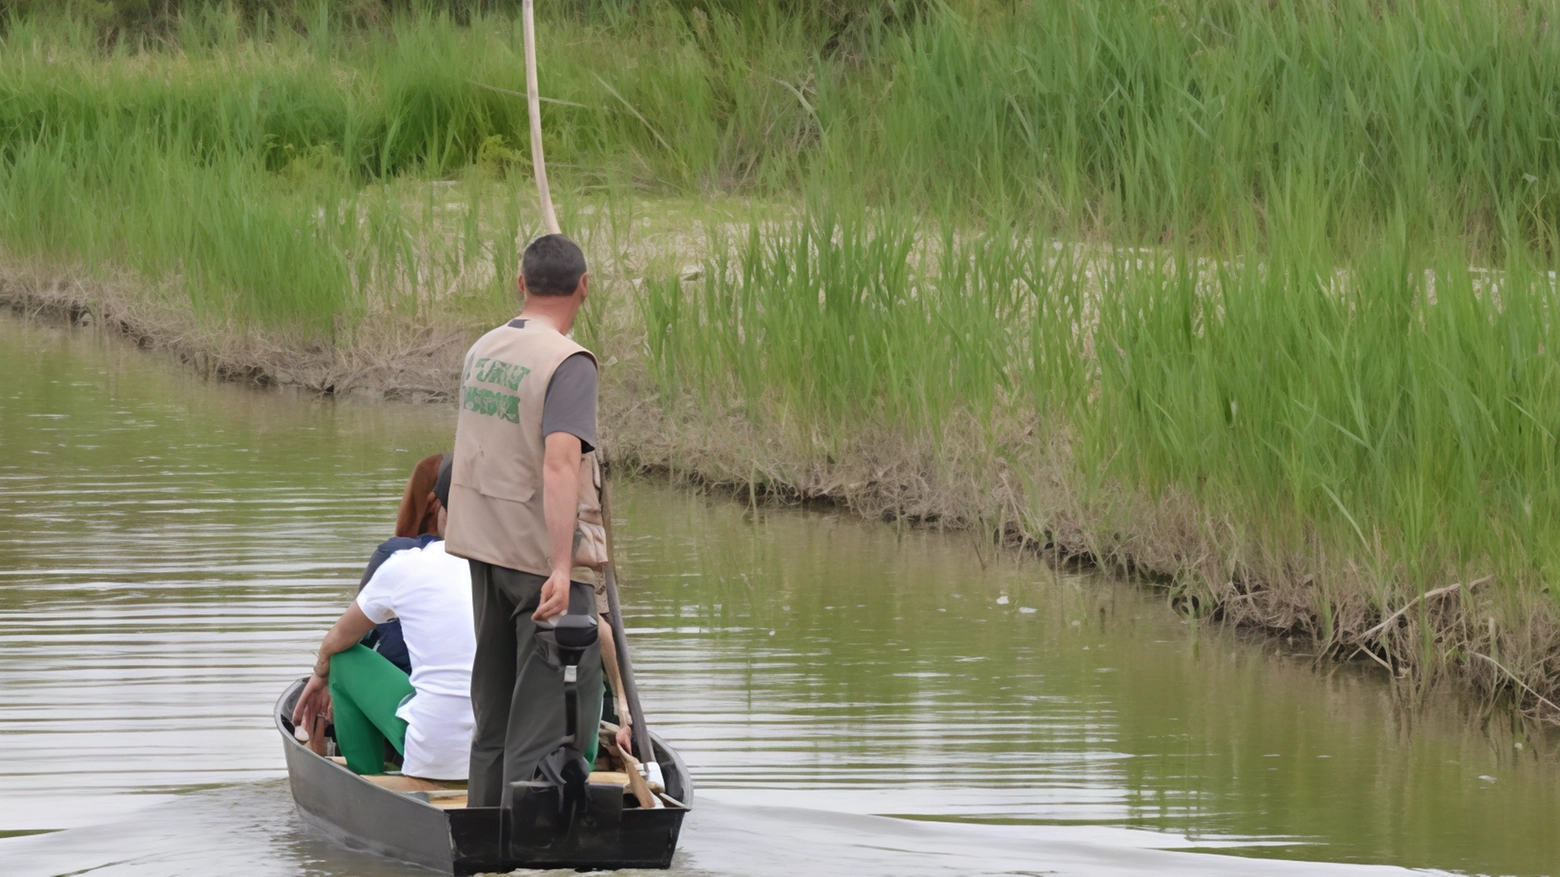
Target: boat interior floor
x=451 y=794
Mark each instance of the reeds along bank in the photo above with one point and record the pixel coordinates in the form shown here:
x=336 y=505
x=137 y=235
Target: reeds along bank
x=1377 y=425
x=1131 y=122
x=1281 y=268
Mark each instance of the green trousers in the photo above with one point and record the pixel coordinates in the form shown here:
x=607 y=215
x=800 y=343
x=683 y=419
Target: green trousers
x=365 y=691
x=517 y=682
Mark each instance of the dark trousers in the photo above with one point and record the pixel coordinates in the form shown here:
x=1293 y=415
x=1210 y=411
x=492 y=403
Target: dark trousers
x=517 y=681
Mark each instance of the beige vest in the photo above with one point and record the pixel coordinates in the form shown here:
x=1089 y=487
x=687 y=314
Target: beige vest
x=496 y=512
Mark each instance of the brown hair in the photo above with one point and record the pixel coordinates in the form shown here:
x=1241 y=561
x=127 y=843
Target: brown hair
x=419 y=507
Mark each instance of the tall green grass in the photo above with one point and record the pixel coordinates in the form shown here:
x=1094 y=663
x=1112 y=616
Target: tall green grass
x=1133 y=122
x=1378 y=425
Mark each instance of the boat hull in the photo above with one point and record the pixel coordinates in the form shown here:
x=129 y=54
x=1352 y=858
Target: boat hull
x=360 y=815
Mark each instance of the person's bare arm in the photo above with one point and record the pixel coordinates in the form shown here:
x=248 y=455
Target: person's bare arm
x=343 y=635
x=561 y=506
x=615 y=679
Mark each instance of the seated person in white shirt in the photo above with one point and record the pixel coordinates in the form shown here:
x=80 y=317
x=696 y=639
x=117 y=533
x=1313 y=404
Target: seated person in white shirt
x=426 y=717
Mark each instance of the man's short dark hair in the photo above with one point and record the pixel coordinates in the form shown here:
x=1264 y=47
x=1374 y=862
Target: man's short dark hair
x=552 y=265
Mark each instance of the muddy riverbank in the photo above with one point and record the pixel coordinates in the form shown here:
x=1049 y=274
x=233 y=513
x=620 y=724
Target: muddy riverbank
x=1032 y=496
x=392 y=359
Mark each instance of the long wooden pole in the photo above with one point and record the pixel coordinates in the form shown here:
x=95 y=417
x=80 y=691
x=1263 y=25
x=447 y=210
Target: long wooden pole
x=550 y=220
x=534 y=100
x=641 y=729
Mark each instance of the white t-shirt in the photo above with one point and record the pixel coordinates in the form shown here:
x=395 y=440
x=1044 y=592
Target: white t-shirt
x=430 y=591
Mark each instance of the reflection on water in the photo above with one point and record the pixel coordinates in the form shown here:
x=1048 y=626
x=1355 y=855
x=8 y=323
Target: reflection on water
x=175 y=549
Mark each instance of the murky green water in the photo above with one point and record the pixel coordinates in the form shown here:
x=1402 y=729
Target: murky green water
x=174 y=549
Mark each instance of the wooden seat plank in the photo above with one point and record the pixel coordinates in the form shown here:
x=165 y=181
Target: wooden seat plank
x=450 y=802
x=400 y=783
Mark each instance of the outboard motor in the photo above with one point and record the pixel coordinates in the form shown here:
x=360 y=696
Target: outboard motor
x=547 y=810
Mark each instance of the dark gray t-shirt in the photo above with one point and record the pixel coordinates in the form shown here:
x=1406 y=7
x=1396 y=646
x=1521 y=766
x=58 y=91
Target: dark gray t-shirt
x=570 y=405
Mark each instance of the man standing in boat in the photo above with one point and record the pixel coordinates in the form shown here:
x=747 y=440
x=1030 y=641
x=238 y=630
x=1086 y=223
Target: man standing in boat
x=527 y=415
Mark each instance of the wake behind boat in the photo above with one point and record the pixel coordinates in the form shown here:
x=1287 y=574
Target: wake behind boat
x=427 y=822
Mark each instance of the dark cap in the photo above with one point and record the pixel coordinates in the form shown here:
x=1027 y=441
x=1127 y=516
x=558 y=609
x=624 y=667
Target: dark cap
x=441 y=485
